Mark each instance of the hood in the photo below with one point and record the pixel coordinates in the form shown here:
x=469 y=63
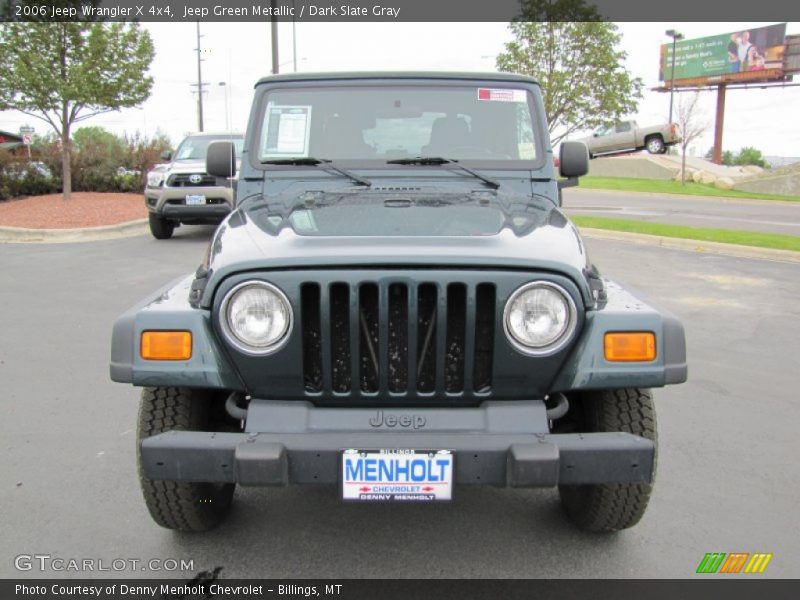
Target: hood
x=357 y=228
x=193 y=166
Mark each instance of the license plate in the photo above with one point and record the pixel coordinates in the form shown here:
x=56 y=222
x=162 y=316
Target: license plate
x=194 y=199
x=397 y=475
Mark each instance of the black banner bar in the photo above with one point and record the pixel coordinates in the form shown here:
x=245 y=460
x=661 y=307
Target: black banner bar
x=672 y=11
x=713 y=586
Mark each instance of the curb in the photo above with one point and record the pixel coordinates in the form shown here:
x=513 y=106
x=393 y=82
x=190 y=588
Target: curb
x=22 y=235
x=697 y=246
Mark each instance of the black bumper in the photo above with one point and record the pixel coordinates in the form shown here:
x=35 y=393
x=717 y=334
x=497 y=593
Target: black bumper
x=210 y=213
x=490 y=444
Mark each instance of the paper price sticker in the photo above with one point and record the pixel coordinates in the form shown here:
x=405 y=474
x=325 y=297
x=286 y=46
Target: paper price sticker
x=500 y=95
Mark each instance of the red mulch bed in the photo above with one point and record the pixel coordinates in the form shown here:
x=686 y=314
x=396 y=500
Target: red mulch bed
x=83 y=209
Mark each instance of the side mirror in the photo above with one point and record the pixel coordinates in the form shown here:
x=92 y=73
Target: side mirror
x=573 y=159
x=166 y=155
x=221 y=159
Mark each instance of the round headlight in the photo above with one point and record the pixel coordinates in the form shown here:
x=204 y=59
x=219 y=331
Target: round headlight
x=540 y=318
x=256 y=317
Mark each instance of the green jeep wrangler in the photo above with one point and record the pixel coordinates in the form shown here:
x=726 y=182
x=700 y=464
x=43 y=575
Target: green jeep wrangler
x=398 y=307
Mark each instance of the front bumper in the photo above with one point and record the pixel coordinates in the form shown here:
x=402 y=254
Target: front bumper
x=499 y=443
x=180 y=212
x=169 y=202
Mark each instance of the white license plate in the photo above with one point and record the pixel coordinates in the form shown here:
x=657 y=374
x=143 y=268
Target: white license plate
x=194 y=199
x=397 y=475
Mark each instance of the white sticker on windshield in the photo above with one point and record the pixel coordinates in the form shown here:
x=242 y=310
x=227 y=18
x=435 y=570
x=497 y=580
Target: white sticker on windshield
x=498 y=95
x=287 y=129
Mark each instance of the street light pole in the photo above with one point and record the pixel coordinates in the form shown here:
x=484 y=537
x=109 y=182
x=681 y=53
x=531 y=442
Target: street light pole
x=225 y=90
x=294 y=37
x=675 y=37
x=274 y=36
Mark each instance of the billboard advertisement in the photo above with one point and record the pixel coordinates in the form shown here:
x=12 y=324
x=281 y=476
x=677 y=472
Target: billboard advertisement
x=746 y=51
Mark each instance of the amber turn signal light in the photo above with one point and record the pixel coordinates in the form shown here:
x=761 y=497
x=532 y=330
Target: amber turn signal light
x=630 y=346
x=166 y=345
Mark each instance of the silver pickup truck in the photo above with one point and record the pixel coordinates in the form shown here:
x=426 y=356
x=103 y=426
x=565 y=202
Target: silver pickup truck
x=627 y=136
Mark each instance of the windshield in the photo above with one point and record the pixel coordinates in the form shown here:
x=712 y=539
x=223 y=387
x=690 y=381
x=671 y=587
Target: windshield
x=195 y=147
x=396 y=122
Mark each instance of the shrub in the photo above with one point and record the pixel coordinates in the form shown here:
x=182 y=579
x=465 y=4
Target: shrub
x=19 y=177
x=101 y=162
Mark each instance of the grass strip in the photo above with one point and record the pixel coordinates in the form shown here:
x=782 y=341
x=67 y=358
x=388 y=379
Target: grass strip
x=655 y=186
x=703 y=234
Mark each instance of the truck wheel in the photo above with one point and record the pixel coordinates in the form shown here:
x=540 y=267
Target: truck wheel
x=655 y=145
x=615 y=506
x=161 y=228
x=176 y=504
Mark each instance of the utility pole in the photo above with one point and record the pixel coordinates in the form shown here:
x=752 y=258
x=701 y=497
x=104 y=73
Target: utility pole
x=274 y=36
x=199 y=83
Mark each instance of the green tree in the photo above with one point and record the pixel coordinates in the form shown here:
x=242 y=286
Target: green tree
x=574 y=56
x=750 y=156
x=100 y=142
x=66 y=72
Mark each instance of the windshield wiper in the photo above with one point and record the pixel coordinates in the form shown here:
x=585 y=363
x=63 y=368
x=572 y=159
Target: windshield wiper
x=438 y=160
x=309 y=160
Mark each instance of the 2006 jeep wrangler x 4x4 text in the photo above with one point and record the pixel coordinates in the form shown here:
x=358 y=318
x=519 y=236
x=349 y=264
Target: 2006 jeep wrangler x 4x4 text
x=397 y=306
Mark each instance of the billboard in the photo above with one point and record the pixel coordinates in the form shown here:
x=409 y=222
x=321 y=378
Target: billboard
x=749 y=51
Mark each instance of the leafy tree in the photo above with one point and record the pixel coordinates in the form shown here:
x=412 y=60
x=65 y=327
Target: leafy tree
x=750 y=156
x=727 y=158
x=66 y=72
x=100 y=142
x=565 y=46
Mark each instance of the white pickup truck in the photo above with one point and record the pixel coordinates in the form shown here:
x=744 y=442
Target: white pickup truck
x=627 y=136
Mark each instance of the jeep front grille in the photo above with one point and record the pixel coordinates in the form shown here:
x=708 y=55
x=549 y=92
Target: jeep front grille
x=397 y=339
x=184 y=180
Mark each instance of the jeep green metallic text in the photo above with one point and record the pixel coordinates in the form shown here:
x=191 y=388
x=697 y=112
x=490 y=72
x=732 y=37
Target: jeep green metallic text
x=398 y=307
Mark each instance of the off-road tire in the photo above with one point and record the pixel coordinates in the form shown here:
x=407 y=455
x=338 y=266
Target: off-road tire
x=655 y=145
x=615 y=506
x=174 y=504
x=160 y=227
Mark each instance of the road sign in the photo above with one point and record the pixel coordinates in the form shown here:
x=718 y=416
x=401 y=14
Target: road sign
x=27 y=139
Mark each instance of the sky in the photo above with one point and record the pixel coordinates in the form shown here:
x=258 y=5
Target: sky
x=238 y=54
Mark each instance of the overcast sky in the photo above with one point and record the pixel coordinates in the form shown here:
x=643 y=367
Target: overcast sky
x=239 y=53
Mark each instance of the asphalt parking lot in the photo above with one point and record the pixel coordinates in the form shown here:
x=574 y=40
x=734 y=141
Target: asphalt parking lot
x=766 y=216
x=727 y=479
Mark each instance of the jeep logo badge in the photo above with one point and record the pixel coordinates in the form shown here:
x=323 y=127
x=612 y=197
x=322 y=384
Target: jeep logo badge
x=404 y=420
x=195 y=178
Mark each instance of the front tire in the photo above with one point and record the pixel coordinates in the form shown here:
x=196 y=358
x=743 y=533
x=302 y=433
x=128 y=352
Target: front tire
x=615 y=506
x=160 y=227
x=655 y=145
x=175 y=504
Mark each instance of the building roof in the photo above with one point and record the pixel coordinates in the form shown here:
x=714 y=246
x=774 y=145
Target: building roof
x=8 y=137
